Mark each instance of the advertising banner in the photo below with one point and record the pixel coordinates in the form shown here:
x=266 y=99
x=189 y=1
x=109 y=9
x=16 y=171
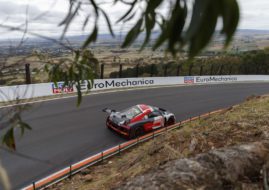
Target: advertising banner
x=102 y=84
x=9 y=93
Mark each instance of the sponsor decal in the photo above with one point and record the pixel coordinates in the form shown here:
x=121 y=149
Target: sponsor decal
x=215 y=79
x=188 y=80
x=122 y=83
x=60 y=88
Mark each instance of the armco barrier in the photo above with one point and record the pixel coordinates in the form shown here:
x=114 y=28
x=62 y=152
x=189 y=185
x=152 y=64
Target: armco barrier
x=77 y=167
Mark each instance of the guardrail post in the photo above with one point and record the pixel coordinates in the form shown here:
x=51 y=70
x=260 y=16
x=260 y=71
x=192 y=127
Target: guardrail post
x=178 y=69
x=34 y=186
x=221 y=68
x=151 y=70
x=27 y=74
x=258 y=70
x=119 y=149
x=230 y=70
x=201 y=70
x=137 y=70
x=102 y=70
x=165 y=70
x=70 y=171
x=120 y=71
x=211 y=70
x=190 y=69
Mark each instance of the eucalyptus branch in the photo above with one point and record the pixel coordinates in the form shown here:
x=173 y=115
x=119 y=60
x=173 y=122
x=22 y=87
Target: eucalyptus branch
x=4 y=178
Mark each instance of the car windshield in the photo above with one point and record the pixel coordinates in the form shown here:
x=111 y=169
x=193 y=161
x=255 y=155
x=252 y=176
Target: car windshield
x=154 y=108
x=131 y=112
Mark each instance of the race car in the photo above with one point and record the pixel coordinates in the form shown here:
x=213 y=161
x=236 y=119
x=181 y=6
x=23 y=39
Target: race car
x=139 y=119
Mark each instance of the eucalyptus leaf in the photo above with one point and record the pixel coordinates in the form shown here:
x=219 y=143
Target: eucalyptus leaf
x=108 y=23
x=132 y=34
x=91 y=38
x=9 y=140
x=128 y=12
x=230 y=17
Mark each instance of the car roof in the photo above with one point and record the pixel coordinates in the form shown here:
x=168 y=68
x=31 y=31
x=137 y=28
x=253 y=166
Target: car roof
x=145 y=108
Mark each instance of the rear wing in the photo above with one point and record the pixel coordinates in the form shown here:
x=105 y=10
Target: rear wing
x=162 y=109
x=109 y=111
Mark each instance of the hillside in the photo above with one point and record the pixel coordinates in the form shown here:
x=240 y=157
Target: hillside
x=245 y=123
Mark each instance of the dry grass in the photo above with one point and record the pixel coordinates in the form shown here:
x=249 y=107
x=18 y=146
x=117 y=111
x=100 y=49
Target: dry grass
x=241 y=124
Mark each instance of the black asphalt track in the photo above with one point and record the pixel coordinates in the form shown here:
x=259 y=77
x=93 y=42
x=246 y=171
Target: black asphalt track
x=63 y=134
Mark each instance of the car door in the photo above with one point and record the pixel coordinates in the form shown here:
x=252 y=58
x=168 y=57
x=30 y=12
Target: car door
x=154 y=120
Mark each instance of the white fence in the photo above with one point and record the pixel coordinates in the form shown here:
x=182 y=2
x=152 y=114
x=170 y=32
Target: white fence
x=9 y=93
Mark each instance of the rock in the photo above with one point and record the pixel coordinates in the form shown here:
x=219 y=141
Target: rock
x=211 y=144
x=224 y=167
x=110 y=162
x=193 y=144
x=85 y=171
x=88 y=178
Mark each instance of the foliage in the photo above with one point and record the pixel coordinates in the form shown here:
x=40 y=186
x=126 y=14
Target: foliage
x=4 y=180
x=174 y=30
x=11 y=121
x=84 y=67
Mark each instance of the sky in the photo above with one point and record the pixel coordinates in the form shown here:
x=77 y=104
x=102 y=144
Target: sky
x=43 y=17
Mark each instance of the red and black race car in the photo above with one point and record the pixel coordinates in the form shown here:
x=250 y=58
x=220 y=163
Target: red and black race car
x=139 y=119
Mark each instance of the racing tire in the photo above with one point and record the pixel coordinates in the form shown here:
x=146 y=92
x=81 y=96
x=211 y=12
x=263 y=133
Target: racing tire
x=137 y=132
x=107 y=124
x=170 y=121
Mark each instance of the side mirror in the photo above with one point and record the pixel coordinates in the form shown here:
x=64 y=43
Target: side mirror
x=105 y=110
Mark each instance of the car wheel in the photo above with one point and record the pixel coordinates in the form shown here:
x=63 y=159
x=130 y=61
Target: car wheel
x=137 y=132
x=170 y=121
x=107 y=123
